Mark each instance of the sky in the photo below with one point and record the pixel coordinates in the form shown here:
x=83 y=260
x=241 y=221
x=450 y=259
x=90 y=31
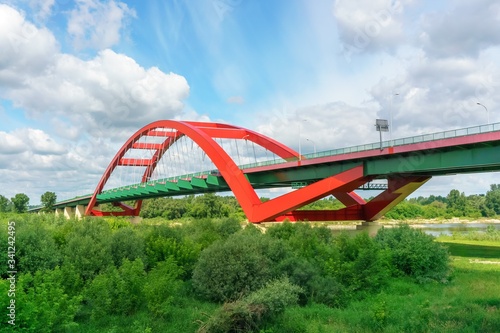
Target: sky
x=77 y=78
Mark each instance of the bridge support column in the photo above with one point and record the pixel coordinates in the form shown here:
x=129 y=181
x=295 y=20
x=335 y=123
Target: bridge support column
x=59 y=211
x=69 y=212
x=79 y=211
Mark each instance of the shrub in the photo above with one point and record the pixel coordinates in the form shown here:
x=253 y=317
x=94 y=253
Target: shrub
x=126 y=244
x=37 y=249
x=360 y=265
x=259 y=307
x=42 y=305
x=233 y=268
x=117 y=291
x=87 y=247
x=162 y=285
x=415 y=253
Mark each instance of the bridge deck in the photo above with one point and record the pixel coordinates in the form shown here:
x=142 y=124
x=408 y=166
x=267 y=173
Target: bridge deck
x=470 y=149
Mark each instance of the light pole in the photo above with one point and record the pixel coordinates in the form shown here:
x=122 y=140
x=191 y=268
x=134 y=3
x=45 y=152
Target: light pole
x=300 y=149
x=487 y=112
x=390 y=117
x=314 y=144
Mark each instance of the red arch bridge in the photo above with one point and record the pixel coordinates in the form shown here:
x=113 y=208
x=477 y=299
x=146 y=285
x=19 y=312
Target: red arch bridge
x=165 y=158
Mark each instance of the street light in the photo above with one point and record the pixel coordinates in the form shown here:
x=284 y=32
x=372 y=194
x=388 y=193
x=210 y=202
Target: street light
x=390 y=116
x=300 y=150
x=487 y=112
x=314 y=144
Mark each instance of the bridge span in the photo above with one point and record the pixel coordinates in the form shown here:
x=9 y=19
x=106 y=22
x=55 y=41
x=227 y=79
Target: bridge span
x=405 y=164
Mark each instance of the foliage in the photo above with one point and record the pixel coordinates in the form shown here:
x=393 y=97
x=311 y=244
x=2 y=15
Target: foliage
x=492 y=200
x=126 y=243
x=207 y=205
x=248 y=314
x=43 y=306
x=230 y=269
x=405 y=210
x=48 y=199
x=117 y=291
x=415 y=253
x=5 y=204
x=36 y=247
x=20 y=202
x=162 y=286
x=87 y=247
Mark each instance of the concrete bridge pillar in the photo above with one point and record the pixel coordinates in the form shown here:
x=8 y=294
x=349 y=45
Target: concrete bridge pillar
x=69 y=212
x=79 y=211
x=59 y=211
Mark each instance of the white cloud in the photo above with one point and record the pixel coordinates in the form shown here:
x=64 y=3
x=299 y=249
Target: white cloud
x=86 y=107
x=11 y=144
x=464 y=30
x=40 y=143
x=26 y=49
x=369 y=25
x=98 y=24
x=42 y=8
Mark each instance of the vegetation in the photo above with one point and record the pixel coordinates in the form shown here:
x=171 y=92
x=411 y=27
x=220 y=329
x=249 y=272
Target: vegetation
x=212 y=275
x=48 y=199
x=209 y=273
x=20 y=202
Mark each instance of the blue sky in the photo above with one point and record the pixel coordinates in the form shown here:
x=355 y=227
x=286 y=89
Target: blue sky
x=78 y=77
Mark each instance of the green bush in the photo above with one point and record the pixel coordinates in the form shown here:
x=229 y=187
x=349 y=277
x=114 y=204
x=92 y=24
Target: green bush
x=36 y=248
x=42 y=304
x=117 y=291
x=415 y=253
x=126 y=244
x=250 y=313
x=230 y=269
x=161 y=287
x=87 y=247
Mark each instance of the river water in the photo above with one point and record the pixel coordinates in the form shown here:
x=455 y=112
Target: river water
x=434 y=229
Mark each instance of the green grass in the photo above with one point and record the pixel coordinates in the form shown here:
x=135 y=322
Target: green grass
x=470 y=302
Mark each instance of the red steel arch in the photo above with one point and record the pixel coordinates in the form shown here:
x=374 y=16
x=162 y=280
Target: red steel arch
x=203 y=134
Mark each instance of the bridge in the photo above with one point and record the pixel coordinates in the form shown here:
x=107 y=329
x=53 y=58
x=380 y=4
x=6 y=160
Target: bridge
x=164 y=158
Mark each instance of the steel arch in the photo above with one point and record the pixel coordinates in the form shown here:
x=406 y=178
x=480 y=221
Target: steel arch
x=203 y=134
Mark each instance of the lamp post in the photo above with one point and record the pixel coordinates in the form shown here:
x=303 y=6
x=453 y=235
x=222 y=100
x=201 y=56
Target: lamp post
x=487 y=112
x=314 y=144
x=300 y=149
x=390 y=117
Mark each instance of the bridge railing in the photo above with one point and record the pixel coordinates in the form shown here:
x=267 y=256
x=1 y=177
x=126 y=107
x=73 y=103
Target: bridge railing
x=409 y=140
x=340 y=151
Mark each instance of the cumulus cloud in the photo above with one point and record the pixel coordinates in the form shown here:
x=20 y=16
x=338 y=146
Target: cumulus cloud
x=108 y=91
x=11 y=144
x=87 y=107
x=324 y=127
x=369 y=25
x=98 y=24
x=26 y=49
x=461 y=31
x=438 y=94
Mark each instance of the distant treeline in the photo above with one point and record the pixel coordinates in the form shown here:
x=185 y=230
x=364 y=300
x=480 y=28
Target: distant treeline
x=455 y=204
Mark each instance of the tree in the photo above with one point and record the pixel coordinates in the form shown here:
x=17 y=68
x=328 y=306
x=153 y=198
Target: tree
x=456 y=203
x=4 y=204
x=492 y=201
x=20 y=202
x=48 y=200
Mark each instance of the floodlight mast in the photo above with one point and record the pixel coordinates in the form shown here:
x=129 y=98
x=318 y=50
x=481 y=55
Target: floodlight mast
x=381 y=125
